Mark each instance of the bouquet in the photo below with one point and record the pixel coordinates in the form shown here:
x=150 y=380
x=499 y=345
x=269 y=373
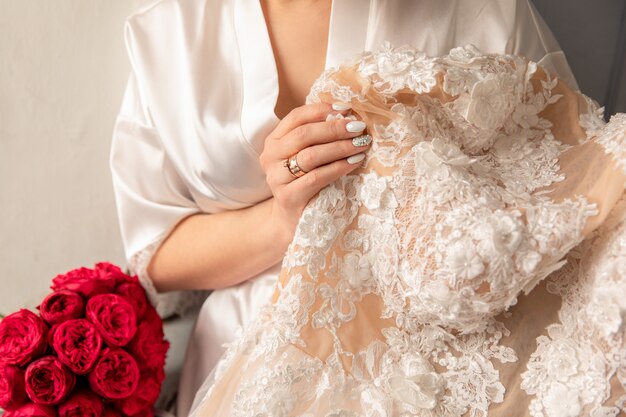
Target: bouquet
x=96 y=348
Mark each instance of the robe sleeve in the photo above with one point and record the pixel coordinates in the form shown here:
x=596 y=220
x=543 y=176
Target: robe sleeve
x=151 y=197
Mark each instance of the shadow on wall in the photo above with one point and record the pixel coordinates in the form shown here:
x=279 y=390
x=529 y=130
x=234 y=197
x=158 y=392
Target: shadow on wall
x=593 y=36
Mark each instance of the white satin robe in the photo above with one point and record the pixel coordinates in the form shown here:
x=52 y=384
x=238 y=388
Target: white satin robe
x=200 y=101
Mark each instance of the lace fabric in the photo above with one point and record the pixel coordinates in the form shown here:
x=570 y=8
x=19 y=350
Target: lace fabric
x=583 y=353
x=416 y=286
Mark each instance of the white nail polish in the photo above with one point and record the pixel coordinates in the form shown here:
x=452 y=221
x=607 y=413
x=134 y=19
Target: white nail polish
x=356 y=126
x=341 y=106
x=355 y=159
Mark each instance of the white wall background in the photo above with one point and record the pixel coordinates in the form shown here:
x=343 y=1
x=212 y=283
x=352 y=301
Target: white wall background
x=63 y=68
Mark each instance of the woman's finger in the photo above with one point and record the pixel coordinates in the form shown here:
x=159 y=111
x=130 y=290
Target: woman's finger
x=318 y=133
x=315 y=156
x=309 y=113
x=302 y=189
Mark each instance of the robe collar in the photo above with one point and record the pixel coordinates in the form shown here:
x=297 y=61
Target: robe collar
x=347 y=35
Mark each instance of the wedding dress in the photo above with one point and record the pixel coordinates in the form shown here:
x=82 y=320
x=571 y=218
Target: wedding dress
x=474 y=265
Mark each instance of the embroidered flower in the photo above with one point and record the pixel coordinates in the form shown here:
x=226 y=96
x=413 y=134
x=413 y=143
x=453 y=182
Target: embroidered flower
x=437 y=152
x=374 y=193
x=375 y=403
x=338 y=304
x=357 y=270
x=332 y=196
x=316 y=228
x=506 y=232
x=396 y=68
x=367 y=363
x=414 y=383
x=528 y=261
x=512 y=147
x=463 y=260
x=526 y=115
x=561 y=401
x=490 y=102
x=561 y=359
x=392 y=62
x=275 y=386
x=465 y=54
x=449 y=153
x=456 y=79
x=605 y=308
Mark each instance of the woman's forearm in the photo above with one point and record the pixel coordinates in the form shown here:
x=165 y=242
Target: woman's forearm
x=211 y=251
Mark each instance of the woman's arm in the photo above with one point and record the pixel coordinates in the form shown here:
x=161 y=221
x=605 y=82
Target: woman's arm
x=210 y=251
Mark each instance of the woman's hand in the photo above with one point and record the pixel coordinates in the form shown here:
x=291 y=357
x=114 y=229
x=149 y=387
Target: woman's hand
x=324 y=150
x=218 y=250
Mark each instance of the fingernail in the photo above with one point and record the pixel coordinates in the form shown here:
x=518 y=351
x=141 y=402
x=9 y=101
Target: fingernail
x=362 y=140
x=356 y=126
x=355 y=159
x=341 y=106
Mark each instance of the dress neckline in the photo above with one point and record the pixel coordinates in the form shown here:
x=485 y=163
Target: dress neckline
x=347 y=33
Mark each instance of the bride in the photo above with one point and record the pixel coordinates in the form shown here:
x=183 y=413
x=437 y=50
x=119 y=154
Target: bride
x=194 y=166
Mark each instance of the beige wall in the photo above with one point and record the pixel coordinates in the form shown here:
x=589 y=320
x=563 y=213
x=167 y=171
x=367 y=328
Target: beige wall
x=62 y=72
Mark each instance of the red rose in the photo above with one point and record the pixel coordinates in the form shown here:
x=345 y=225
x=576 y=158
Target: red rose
x=12 y=389
x=111 y=272
x=23 y=337
x=134 y=293
x=51 y=332
x=110 y=412
x=114 y=318
x=48 y=381
x=148 y=345
x=84 y=281
x=152 y=317
x=82 y=403
x=143 y=398
x=60 y=306
x=78 y=343
x=115 y=375
x=32 y=410
x=158 y=373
